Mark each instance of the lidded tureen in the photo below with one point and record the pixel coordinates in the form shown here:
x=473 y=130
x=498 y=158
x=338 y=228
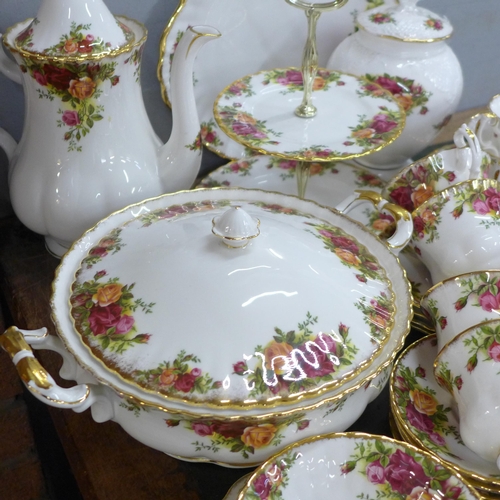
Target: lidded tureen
x=403 y=48
x=240 y=314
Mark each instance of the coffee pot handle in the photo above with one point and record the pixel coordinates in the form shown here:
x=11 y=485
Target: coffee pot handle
x=7 y=143
x=9 y=68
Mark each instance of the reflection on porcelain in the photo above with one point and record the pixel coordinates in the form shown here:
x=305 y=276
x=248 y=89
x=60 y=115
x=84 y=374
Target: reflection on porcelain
x=235 y=56
x=468 y=367
x=288 y=354
x=84 y=154
x=426 y=78
x=426 y=415
x=329 y=184
x=458 y=230
x=462 y=302
x=354 y=465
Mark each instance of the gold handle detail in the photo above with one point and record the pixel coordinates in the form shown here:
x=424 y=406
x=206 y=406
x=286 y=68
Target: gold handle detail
x=376 y=198
x=28 y=367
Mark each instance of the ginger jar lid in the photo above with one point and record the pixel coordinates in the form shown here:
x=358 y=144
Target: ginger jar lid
x=227 y=298
x=73 y=29
x=406 y=22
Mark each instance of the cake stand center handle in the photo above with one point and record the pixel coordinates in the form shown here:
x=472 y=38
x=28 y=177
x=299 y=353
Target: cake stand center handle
x=310 y=54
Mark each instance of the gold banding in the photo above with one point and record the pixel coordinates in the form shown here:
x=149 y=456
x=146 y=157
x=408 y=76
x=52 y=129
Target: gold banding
x=406 y=40
x=29 y=369
x=40 y=56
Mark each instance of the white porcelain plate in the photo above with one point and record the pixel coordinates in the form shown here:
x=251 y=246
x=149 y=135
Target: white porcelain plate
x=256 y=35
x=354 y=117
x=354 y=466
x=427 y=412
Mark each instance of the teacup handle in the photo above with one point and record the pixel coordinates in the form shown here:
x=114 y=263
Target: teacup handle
x=465 y=137
x=404 y=222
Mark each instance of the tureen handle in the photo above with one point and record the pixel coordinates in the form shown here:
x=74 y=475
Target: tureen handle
x=404 y=222
x=40 y=383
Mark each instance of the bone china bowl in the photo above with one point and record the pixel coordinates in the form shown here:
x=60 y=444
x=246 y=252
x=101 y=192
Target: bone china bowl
x=458 y=230
x=469 y=368
x=222 y=325
x=463 y=301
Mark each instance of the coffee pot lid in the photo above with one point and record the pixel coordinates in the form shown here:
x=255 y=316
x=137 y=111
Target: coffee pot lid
x=406 y=22
x=74 y=29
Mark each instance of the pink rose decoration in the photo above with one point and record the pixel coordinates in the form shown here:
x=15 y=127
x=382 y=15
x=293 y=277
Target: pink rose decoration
x=375 y=472
x=101 y=319
x=419 y=420
x=262 y=486
x=493 y=199
x=244 y=129
x=70 y=118
x=40 y=78
x=202 y=429
x=388 y=84
x=494 y=351
x=403 y=473
x=381 y=124
x=489 y=302
x=480 y=206
x=185 y=382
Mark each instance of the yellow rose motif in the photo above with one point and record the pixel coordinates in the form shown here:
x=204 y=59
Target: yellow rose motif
x=82 y=88
x=379 y=321
x=364 y=133
x=381 y=224
x=405 y=100
x=70 y=46
x=347 y=257
x=315 y=168
x=419 y=493
x=275 y=356
x=259 y=435
x=423 y=402
x=319 y=83
x=108 y=294
x=428 y=216
x=421 y=194
x=245 y=118
x=168 y=377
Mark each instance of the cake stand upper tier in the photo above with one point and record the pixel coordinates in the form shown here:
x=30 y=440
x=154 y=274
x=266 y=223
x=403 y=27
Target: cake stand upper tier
x=355 y=116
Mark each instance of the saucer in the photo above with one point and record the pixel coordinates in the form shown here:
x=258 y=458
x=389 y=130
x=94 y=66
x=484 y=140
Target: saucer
x=329 y=184
x=354 y=118
x=425 y=415
x=354 y=465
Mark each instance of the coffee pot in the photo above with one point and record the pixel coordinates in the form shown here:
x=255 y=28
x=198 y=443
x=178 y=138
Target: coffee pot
x=88 y=148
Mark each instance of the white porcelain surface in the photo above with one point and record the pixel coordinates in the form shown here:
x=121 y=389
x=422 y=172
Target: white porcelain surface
x=352 y=119
x=329 y=184
x=425 y=77
x=257 y=36
x=84 y=153
x=462 y=302
x=354 y=465
x=428 y=413
x=181 y=423
x=458 y=230
x=440 y=170
x=468 y=367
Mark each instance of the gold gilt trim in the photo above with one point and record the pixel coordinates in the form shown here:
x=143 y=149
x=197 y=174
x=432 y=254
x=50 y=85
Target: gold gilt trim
x=83 y=58
x=406 y=297
x=406 y=40
x=355 y=436
x=163 y=48
x=397 y=130
x=408 y=435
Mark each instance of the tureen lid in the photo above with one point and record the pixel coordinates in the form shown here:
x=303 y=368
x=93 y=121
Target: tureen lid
x=406 y=22
x=72 y=28
x=162 y=298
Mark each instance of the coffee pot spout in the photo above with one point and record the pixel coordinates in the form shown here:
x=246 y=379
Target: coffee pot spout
x=180 y=158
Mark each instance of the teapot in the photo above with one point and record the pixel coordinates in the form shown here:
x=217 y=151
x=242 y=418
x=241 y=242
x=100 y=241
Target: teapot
x=88 y=148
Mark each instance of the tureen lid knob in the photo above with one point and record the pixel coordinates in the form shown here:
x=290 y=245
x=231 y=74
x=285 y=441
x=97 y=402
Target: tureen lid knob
x=236 y=227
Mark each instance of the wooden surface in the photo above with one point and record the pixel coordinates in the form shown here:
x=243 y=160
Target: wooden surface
x=106 y=463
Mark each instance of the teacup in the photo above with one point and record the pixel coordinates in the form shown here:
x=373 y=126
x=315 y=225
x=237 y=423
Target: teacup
x=443 y=168
x=469 y=368
x=461 y=302
x=457 y=231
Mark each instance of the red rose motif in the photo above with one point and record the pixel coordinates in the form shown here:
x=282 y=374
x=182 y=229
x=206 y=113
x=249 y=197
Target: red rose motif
x=381 y=124
x=239 y=368
x=389 y=84
x=418 y=226
x=185 y=382
x=245 y=129
x=437 y=438
x=101 y=319
x=40 y=78
x=316 y=356
x=59 y=78
x=85 y=46
x=404 y=473
x=402 y=196
x=230 y=429
x=262 y=486
x=420 y=421
x=345 y=243
x=443 y=322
